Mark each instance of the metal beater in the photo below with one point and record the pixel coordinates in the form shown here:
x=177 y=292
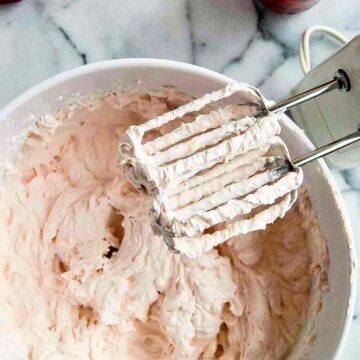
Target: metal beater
x=204 y=183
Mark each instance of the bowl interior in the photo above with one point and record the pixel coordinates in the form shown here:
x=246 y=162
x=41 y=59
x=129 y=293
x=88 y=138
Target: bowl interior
x=334 y=319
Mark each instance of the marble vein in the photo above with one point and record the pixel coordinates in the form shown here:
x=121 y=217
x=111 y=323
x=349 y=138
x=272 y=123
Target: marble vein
x=191 y=31
x=352 y=178
x=68 y=39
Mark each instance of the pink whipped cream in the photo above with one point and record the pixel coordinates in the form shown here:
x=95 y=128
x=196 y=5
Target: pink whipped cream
x=84 y=277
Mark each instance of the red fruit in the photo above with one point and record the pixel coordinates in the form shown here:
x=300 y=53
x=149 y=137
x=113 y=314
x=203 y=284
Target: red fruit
x=4 y=2
x=288 y=6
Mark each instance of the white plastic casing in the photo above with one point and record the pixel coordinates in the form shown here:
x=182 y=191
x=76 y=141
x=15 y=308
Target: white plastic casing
x=335 y=114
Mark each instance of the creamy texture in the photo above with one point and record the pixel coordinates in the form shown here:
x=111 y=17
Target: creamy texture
x=84 y=277
x=203 y=172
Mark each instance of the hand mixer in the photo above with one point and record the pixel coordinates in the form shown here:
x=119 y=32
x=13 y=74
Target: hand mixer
x=224 y=173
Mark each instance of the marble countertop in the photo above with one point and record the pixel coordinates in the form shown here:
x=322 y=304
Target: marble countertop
x=40 y=38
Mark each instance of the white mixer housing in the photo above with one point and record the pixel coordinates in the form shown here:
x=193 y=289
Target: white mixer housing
x=334 y=114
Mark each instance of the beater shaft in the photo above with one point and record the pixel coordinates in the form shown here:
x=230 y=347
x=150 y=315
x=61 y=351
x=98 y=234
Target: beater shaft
x=340 y=82
x=320 y=152
x=328 y=149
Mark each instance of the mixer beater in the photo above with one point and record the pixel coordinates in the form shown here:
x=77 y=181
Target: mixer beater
x=225 y=173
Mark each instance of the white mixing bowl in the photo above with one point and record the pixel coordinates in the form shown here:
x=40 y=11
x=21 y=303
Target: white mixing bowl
x=332 y=324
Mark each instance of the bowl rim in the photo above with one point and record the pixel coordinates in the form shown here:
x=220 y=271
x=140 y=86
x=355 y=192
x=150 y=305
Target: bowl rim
x=198 y=70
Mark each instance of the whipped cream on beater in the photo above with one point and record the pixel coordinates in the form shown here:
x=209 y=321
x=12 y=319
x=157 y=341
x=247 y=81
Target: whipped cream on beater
x=203 y=172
